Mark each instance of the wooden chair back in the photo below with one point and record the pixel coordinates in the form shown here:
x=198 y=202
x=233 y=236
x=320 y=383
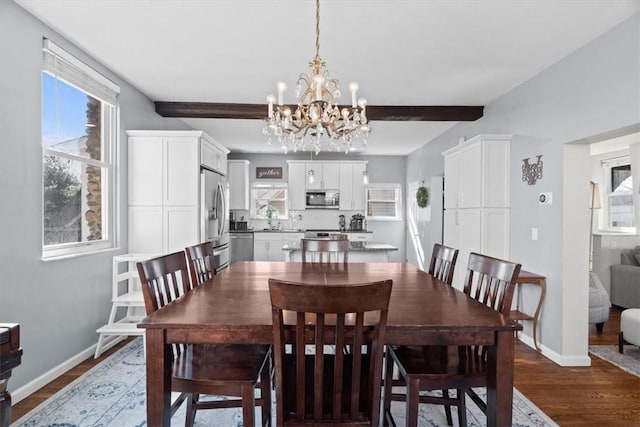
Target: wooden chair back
x=491 y=281
x=163 y=280
x=443 y=263
x=327 y=251
x=319 y=388
x=201 y=262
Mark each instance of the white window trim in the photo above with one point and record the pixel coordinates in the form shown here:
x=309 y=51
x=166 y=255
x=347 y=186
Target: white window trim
x=110 y=134
x=256 y=186
x=607 y=164
x=398 y=202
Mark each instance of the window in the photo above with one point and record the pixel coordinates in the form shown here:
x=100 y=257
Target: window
x=384 y=202
x=618 y=209
x=269 y=201
x=79 y=133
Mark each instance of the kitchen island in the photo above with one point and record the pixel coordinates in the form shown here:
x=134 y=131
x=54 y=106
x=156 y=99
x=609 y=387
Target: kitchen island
x=358 y=252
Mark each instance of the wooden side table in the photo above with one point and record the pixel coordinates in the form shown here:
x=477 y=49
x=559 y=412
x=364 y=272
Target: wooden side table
x=534 y=279
x=10 y=357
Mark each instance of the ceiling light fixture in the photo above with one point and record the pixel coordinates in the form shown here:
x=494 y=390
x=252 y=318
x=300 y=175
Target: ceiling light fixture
x=318 y=122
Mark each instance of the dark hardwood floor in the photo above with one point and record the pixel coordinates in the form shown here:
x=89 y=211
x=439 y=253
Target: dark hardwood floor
x=600 y=395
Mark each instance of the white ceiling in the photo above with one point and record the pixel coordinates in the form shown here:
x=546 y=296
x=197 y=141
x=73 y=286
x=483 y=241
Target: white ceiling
x=402 y=52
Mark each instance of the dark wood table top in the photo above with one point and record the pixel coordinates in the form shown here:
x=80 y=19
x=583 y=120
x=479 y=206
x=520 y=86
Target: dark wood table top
x=236 y=304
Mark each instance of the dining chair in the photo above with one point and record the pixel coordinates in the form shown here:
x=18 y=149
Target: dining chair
x=328 y=389
x=201 y=262
x=442 y=267
x=490 y=281
x=443 y=263
x=230 y=370
x=327 y=251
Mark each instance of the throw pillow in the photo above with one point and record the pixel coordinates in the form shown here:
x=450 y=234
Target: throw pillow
x=636 y=253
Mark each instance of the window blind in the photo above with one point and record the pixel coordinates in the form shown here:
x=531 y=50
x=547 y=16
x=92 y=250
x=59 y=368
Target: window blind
x=70 y=69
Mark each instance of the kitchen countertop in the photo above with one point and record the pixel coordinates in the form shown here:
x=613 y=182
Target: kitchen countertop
x=355 y=247
x=296 y=231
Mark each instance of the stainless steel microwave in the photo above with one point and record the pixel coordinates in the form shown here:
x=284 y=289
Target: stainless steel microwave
x=323 y=199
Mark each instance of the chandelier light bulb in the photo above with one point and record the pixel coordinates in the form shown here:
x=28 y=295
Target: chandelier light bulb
x=362 y=102
x=282 y=86
x=353 y=88
x=271 y=99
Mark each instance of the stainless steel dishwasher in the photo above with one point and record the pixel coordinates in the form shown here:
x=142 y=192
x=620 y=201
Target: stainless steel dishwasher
x=241 y=246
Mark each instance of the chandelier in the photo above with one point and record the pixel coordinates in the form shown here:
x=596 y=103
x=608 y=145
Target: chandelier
x=318 y=122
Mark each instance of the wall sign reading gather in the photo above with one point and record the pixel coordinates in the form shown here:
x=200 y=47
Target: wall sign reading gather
x=269 y=173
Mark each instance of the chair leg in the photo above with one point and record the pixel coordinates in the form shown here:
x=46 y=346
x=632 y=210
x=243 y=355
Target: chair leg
x=447 y=408
x=462 y=408
x=265 y=394
x=248 y=406
x=413 y=401
x=388 y=386
x=190 y=418
x=620 y=342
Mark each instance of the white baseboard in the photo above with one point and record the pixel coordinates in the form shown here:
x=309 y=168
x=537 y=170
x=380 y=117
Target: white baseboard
x=556 y=357
x=44 y=379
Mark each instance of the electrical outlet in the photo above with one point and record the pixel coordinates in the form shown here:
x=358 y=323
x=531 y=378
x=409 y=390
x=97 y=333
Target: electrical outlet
x=545 y=198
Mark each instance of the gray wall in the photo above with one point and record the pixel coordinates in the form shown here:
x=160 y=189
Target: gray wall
x=58 y=304
x=382 y=169
x=592 y=91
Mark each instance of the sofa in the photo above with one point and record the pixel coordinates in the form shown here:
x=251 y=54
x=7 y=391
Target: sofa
x=625 y=279
x=599 y=303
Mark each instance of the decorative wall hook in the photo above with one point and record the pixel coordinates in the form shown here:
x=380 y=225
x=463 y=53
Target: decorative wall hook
x=531 y=172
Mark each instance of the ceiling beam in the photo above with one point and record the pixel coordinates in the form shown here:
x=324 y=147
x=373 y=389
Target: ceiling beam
x=425 y=113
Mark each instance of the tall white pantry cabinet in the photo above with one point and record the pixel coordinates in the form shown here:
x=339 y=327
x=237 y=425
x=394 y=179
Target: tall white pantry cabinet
x=164 y=187
x=476 y=198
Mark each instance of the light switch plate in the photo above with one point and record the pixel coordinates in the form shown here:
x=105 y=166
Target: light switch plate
x=534 y=233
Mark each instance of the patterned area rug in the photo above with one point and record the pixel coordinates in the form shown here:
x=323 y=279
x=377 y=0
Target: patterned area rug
x=113 y=394
x=628 y=361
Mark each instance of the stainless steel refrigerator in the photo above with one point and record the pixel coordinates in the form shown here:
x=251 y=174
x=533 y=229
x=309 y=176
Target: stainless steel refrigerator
x=215 y=214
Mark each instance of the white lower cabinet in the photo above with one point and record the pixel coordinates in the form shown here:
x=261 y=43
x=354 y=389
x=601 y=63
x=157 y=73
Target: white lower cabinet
x=268 y=246
x=484 y=231
x=157 y=229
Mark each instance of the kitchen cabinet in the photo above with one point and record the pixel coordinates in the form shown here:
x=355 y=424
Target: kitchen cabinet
x=359 y=237
x=477 y=214
x=327 y=176
x=267 y=246
x=238 y=178
x=297 y=185
x=164 y=187
x=352 y=189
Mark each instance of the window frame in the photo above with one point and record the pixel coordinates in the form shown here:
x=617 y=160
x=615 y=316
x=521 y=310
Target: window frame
x=607 y=165
x=397 y=201
x=80 y=76
x=279 y=186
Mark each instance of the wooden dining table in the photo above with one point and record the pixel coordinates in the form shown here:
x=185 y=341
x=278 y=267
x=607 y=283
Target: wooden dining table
x=234 y=307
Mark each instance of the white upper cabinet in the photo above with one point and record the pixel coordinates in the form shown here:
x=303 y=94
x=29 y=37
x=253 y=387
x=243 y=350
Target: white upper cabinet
x=352 y=188
x=326 y=176
x=477 y=173
x=297 y=185
x=239 y=186
x=181 y=171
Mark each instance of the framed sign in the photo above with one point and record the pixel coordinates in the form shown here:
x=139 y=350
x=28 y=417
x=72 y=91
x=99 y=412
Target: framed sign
x=269 y=173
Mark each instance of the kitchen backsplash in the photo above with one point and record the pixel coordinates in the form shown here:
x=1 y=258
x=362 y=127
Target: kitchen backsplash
x=310 y=219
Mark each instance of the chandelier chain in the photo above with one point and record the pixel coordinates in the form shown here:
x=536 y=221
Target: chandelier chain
x=317 y=28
